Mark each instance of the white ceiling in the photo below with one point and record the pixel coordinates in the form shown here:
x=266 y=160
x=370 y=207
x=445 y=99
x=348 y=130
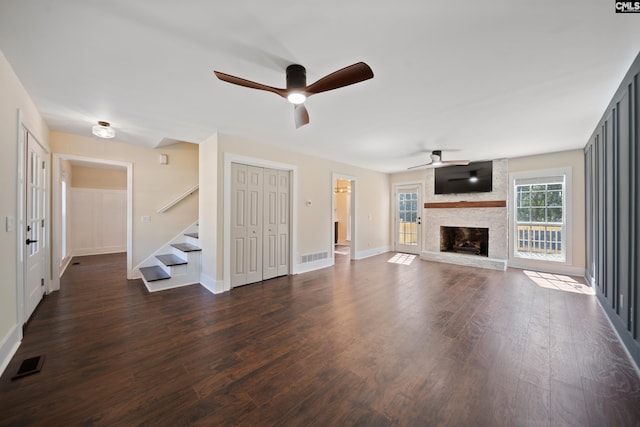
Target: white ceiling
x=484 y=79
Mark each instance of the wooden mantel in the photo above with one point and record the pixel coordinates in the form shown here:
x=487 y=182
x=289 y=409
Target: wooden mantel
x=477 y=204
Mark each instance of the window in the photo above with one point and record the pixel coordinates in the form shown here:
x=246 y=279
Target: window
x=408 y=217
x=540 y=212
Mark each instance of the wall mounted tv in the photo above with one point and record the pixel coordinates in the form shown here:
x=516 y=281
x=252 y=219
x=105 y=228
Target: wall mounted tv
x=475 y=177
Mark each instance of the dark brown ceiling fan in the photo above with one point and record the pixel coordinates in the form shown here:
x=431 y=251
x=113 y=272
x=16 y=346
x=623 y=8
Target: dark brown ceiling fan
x=297 y=90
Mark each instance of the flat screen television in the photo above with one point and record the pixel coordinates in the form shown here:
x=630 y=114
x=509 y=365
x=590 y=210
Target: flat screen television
x=475 y=177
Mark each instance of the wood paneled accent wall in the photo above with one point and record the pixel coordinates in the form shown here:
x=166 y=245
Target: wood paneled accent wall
x=612 y=169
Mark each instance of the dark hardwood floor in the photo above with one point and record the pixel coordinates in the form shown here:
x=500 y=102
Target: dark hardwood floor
x=366 y=343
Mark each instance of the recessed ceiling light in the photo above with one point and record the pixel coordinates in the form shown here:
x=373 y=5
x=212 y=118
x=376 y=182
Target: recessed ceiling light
x=103 y=130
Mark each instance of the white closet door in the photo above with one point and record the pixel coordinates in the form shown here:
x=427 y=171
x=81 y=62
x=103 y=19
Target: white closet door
x=283 y=213
x=253 y=250
x=270 y=230
x=239 y=182
x=259 y=224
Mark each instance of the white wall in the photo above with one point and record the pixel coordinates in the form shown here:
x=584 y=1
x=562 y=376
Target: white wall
x=13 y=96
x=208 y=214
x=98 y=221
x=154 y=185
x=371 y=233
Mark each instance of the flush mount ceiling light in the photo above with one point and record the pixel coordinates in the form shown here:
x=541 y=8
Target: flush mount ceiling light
x=103 y=130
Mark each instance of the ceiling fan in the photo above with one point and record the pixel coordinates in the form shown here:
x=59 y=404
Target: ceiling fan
x=297 y=90
x=436 y=161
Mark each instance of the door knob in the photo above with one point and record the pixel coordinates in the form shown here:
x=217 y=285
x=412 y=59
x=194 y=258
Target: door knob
x=29 y=241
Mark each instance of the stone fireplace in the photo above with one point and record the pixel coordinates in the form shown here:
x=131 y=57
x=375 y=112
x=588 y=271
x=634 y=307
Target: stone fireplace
x=465 y=240
x=473 y=212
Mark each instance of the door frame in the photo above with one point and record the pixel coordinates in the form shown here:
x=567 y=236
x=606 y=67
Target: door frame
x=57 y=212
x=24 y=127
x=352 y=213
x=394 y=219
x=293 y=213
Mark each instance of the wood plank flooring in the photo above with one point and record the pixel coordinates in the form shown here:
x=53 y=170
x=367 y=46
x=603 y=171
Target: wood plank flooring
x=366 y=343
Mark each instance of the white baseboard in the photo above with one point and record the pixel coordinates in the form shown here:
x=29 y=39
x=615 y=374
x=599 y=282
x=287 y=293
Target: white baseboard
x=547 y=267
x=313 y=265
x=372 y=252
x=620 y=340
x=99 y=251
x=64 y=265
x=9 y=346
x=212 y=285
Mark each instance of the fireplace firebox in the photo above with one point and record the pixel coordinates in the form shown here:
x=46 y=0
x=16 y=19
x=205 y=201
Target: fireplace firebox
x=465 y=240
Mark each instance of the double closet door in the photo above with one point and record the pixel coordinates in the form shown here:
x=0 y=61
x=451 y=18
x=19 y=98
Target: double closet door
x=260 y=206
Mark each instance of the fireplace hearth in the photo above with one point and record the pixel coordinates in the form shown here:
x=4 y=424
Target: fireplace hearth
x=465 y=240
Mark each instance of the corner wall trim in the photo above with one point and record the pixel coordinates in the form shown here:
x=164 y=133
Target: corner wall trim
x=211 y=284
x=9 y=346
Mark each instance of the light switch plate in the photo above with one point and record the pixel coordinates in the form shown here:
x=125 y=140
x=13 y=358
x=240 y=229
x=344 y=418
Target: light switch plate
x=10 y=224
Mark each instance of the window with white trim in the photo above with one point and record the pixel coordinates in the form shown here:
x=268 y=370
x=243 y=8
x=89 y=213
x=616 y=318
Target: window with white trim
x=539 y=218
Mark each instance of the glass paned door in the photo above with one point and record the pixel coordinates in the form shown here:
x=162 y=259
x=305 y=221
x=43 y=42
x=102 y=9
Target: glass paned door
x=408 y=218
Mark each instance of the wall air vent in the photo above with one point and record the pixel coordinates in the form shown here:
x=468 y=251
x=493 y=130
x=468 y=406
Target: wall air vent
x=314 y=256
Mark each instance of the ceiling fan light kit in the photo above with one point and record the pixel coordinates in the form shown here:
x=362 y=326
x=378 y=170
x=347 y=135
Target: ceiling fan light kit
x=103 y=130
x=296 y=98
x=297 y=90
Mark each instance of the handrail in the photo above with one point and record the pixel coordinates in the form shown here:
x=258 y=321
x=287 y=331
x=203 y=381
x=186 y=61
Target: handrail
x=179 y=199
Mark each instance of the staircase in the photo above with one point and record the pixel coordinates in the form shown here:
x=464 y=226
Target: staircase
x=175 y=264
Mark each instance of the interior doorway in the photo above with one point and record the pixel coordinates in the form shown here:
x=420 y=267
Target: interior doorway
x=343 y=223
x=63 y=207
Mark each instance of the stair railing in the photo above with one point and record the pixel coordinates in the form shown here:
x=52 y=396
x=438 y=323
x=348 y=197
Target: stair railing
x=179 y=199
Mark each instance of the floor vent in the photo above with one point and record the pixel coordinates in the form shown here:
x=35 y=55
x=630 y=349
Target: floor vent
x=29 y=366
x=315 y=256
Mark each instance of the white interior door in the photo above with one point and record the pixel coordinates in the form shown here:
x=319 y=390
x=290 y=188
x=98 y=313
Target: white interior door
x=254 y=207
x=270 y=231
x=408 y=218
x=283 y=222
x=36 y=225
x=238 y=224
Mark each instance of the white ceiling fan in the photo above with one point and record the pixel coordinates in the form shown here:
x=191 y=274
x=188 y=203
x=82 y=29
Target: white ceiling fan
x=436 y=161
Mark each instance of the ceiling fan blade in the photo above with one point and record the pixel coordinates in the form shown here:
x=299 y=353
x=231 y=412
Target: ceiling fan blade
x=455 y=162
x=248 y=83
x=420 y=166
x=346 y=76
x=300 y=115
